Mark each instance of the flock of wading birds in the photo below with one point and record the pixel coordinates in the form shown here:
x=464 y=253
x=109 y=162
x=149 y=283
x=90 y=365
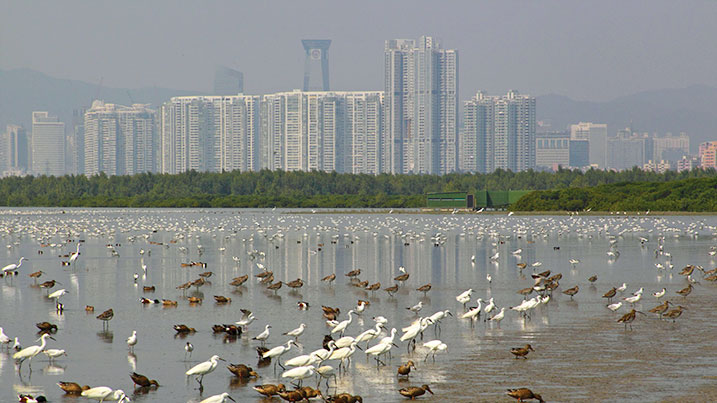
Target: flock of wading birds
x=336 y=346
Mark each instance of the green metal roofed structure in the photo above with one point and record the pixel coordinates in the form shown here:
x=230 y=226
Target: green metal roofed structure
x=482 y=199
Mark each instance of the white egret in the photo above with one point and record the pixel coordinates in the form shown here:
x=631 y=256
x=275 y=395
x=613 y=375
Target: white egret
x=344 y=341
x=464 y=297
x=303 y=360
x=498 y=317
x=132 y=340
x=30 y=352
x=12 y=267
x=218 y=398
x=378 y=350
x=474 y=313
x=341 y=327
x=278 y=351
x=102 y=393
x=369 y=334
x=204 y=368
x=58 y=294
x=343 y=354
x=434 y=346
x=76 y=254
x=299 y=373
x=326 y=371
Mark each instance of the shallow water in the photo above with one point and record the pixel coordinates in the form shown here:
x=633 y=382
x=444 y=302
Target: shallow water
x=582 y=354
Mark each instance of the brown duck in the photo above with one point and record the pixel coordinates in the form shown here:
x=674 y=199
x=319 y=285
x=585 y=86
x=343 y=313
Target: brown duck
x=405 y=369
x=72 y=388
x=46 y=327
x=292 y=396
x=345 y=398
x=522 y=351
x=222 y=299
x=241 y=371
x=412 y=392
x=309 y=393
x=269 y=389
x=524 y=393
x=184 y=329
x=142 y=381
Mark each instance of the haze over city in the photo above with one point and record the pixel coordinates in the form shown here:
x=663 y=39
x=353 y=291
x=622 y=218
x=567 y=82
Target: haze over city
x=585 y=50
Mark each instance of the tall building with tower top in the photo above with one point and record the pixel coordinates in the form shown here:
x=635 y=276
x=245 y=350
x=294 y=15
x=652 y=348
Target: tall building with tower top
x=317 y=63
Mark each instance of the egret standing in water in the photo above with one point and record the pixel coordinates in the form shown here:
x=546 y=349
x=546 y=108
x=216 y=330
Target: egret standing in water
x=30 y=352
x=9 y=269
x=204 y=368
x=102 y=393
x=75 y=255
x=218 y=398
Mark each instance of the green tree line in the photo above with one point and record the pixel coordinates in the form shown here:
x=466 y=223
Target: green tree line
x=695 y=194
x=294 y=189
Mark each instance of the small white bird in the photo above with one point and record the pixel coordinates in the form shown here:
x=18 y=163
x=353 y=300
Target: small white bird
x=4 y=340
x=132 y=340
x=473 y=258
x=614 y=307
x=204 y=368
x=490 y=306
x=58 y=294
x=188 y=348
x=517 y=251
x=53 y=353
x=622 y=288
x=498 y=317
x=464 y=297
x=278 y=351
x=263 y=335
x=102 y=393
x=361 y=307
x=218 y=398
x=489 y=278
x=659 y=294
x=434 y=346
x=416 y=308
x=495 y=257
x=296 y=332
x=633 y=299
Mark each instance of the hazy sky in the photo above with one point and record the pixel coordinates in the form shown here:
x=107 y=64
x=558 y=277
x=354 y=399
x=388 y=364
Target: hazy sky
x=590 y=50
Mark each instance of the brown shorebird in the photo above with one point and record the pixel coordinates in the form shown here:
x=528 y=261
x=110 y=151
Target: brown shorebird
x=269 y=389
x=168 y=302
x=267 y=280
x=148 y=288
x=105 y=317
x=373 y=287
x=241 y=371
x=265 y=274
x=392 y=289
x=542 y=274
x=275 y=287
x=412 y=392
x=687 y=270
x=89 y=308
x=194 y=300
x=330 y=278
x=49 y=284
x=198 y=282
x=522 y=351
x=72 y=388
x=610 y=294
x=424 y=288
x=525 y=291
x=593 y=278
x=298 y=283
x=628 y=318
x=36 y=275
x=524 y=393
x=353 y=274
x=521 y=266
x=674 y=313
x=238 y=281
x=142 y=381
x=572 y=291
x=402 y=277
x=222 y=299
x=206 y=274
x=660 y=309
x=361 y=284
x=184 y=286
x=405 y=369
x=686 y=291
x=184 y=329
x=556 y=277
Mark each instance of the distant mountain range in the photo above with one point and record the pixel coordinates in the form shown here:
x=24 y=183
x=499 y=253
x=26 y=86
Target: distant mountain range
x=692 y=109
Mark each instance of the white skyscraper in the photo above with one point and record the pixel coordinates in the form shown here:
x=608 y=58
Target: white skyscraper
x=421 y=87
x=48 y=145
x=209 y=133
x=596 y=135
x=119 y=140
x=322 y=130
x=498 y=133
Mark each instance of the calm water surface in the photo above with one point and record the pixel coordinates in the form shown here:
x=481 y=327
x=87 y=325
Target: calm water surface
x=582 y=353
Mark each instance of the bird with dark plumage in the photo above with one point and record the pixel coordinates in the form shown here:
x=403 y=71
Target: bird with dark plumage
x=524 y=393
x=412 y=392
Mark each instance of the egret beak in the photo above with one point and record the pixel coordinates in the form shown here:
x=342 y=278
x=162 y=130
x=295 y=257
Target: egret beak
x=449 y=313
x=230 y=398
x=222 y=359
x=394 y=344
x=359 y=347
